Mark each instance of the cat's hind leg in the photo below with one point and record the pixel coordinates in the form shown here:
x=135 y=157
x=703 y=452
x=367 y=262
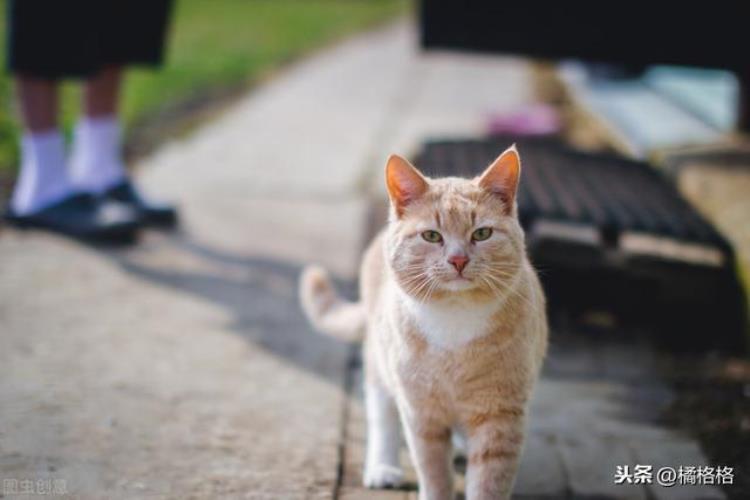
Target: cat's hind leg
x=382 y=465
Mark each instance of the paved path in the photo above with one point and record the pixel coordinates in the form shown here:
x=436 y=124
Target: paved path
x=182 y=368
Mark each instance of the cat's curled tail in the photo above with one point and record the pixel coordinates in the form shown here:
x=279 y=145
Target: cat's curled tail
x=327 y=310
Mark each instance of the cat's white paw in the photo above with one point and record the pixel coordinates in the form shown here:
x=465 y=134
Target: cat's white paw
x=383 y=476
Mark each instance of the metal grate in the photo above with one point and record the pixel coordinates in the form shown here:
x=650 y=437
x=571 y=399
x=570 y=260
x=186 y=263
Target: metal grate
x=611 y=193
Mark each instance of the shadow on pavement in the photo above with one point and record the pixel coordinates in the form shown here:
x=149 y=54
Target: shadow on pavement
x=258 y=294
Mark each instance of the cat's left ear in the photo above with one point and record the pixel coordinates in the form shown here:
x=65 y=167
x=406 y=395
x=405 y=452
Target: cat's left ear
x=404 y=182
x=502 y=176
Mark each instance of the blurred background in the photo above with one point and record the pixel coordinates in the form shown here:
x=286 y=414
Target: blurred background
x=216 y=50
x=181 y=366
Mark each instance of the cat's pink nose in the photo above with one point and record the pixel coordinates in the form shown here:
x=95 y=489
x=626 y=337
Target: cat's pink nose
x=459 y=262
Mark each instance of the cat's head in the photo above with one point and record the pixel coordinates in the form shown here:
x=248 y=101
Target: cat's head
x=452 y=236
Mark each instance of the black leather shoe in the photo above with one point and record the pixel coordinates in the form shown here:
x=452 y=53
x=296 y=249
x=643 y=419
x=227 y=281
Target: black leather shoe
x=83 y=216
x=150 y=213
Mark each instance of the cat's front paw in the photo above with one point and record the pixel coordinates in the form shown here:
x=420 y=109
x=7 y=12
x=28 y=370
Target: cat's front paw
x=383 y=476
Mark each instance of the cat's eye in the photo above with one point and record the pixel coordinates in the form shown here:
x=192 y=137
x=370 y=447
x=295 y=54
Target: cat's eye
x=432 y=236
x=481 y=234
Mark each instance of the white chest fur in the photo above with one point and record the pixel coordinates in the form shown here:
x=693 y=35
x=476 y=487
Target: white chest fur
x=450 y=324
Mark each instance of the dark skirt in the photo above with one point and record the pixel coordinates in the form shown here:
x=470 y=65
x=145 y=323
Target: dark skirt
x=76 y=38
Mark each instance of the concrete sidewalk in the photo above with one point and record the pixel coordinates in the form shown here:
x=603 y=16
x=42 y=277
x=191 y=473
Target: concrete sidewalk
x=183 y=368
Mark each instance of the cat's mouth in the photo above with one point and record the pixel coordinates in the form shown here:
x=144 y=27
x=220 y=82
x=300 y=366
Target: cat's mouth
x=458 y=283
x=458 y=277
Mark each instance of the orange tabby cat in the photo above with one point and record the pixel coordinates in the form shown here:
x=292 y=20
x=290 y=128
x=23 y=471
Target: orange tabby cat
x=455 y=328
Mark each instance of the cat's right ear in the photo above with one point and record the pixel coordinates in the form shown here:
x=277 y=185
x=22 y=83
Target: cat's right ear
x=405 y=183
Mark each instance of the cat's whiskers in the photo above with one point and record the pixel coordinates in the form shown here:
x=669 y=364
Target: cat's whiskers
x=502 y=270
x=498 y=276
x=432 y=289
x=418 y=290
x=434 y=282
x=503 y=267
x=431 y=281
x=504 y=288
x=416 y=284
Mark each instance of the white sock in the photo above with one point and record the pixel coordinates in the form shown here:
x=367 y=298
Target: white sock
x=96 y=162
x=43 y=179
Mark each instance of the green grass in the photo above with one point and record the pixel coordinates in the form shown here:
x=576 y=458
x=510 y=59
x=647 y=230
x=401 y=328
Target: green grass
x=214 y=44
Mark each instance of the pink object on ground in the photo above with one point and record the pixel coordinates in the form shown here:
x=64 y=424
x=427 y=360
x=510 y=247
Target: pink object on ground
x=537 y=119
